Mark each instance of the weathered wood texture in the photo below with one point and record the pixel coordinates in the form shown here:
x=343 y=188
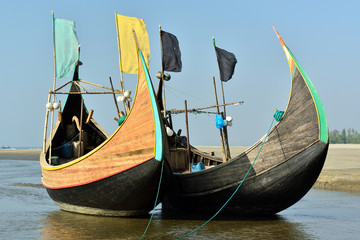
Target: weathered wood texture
x=132 y=144
x=286 y=168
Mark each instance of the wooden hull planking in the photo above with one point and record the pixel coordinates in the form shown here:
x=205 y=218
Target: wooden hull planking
x=119 y=177
x=288 y=165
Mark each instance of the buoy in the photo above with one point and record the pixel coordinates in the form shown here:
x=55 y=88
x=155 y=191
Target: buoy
x=49 y=106
x=120 y=99
x=169 y=131
x=167 y=76
x=55 y=105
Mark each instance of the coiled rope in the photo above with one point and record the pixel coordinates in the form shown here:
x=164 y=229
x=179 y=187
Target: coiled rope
x=237 y=186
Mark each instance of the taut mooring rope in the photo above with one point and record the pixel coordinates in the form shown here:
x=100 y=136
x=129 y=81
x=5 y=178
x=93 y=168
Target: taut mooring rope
x=235 y=189
x=157 y=196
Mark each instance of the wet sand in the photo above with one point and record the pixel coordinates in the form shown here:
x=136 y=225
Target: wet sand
x=20 y=154
x=341 y=171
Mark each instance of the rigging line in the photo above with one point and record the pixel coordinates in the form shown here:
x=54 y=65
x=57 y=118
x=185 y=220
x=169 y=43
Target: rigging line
x=233 y=194
x=156 y=200
x=184 y=93
x=67 y=142
x=174 y=94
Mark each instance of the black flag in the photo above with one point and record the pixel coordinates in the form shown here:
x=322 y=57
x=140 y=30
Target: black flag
x=171 y=52
x=227 y=61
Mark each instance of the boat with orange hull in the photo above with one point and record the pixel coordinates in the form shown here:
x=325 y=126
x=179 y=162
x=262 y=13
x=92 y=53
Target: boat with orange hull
x=286 y=167
x=115 y=175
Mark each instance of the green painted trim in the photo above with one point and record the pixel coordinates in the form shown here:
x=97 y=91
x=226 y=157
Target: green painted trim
x=323 y=135
x=158 y=132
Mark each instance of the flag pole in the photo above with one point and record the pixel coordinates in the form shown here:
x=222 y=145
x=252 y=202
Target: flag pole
x=187 y=136
x=162 y=73
x=120 y=64
x=226 y=140
x=221 y=132
x=54 y=85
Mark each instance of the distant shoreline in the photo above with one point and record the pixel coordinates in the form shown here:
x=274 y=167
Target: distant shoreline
x=20 y=154
x=341 y=171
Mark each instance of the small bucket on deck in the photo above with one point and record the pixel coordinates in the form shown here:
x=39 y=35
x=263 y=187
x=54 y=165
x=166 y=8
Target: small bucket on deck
x=197 y=167
x=54 y=160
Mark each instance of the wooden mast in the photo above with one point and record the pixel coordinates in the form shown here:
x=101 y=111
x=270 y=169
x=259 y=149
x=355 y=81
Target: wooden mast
x=53 y=92
x=46 y=123
x=221 y=132
x=162 y=74
x=187 y=137
x=116 y=105
x=226 y=141
x=120 y=64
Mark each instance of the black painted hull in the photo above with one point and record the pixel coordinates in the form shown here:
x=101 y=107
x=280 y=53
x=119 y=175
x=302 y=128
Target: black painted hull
x=129 y=193
x=286 y=165
x=265 y=193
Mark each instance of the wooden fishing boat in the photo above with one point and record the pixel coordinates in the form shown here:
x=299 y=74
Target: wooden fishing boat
x=286 y=168
x=116 y=175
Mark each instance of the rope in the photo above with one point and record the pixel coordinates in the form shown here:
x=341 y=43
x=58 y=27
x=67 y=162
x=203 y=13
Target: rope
x=278 y=115
x=67 y=142
x=235 y=189
x=194 y=112
x=157 y=195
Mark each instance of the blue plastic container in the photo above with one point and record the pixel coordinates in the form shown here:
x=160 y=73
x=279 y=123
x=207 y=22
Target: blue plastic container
x=197 y=167
x=66 y=151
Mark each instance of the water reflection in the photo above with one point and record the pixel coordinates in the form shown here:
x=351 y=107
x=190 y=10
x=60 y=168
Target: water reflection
x=64 y=225
x=27 y=212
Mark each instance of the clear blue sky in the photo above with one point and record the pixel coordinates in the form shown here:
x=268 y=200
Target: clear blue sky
x=323 y=35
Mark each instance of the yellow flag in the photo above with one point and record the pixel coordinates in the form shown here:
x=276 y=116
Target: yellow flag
x=128 y=56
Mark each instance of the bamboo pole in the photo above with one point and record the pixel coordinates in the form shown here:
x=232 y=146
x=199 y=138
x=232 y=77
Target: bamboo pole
x=162 y=73
x=221 y=132
x=80 y=130
x=74 y=93
x=54 y=85
x=202 y=108
x=90 y=83
x=89 y=116
x=120 y=64
x=117 y=107
x=187 y=136
x=226 y=139
x=64 y=85
x=46 y=123
x=98 y=85
x=81 y=87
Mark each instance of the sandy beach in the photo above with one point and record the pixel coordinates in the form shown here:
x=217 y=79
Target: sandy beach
x=341 y=171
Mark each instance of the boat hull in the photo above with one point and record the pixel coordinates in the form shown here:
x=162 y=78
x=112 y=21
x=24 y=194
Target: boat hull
x=266 y=193
x=128 y=193
x=120 y=175
x=278 y=170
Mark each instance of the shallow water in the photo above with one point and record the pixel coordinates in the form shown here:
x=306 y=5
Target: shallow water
x=26 y=212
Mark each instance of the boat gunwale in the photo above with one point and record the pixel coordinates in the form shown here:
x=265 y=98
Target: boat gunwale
x=239 y=181
x=46 y=166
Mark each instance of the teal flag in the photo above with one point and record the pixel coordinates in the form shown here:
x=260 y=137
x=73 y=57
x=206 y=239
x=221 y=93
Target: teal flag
x=66 y=47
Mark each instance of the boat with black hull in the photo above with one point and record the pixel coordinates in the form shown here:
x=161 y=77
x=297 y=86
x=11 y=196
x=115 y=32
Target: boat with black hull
x=289 y=159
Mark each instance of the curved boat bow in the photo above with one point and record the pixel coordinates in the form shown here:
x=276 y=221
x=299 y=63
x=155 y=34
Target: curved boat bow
x=120 y=176
x=287 y=167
